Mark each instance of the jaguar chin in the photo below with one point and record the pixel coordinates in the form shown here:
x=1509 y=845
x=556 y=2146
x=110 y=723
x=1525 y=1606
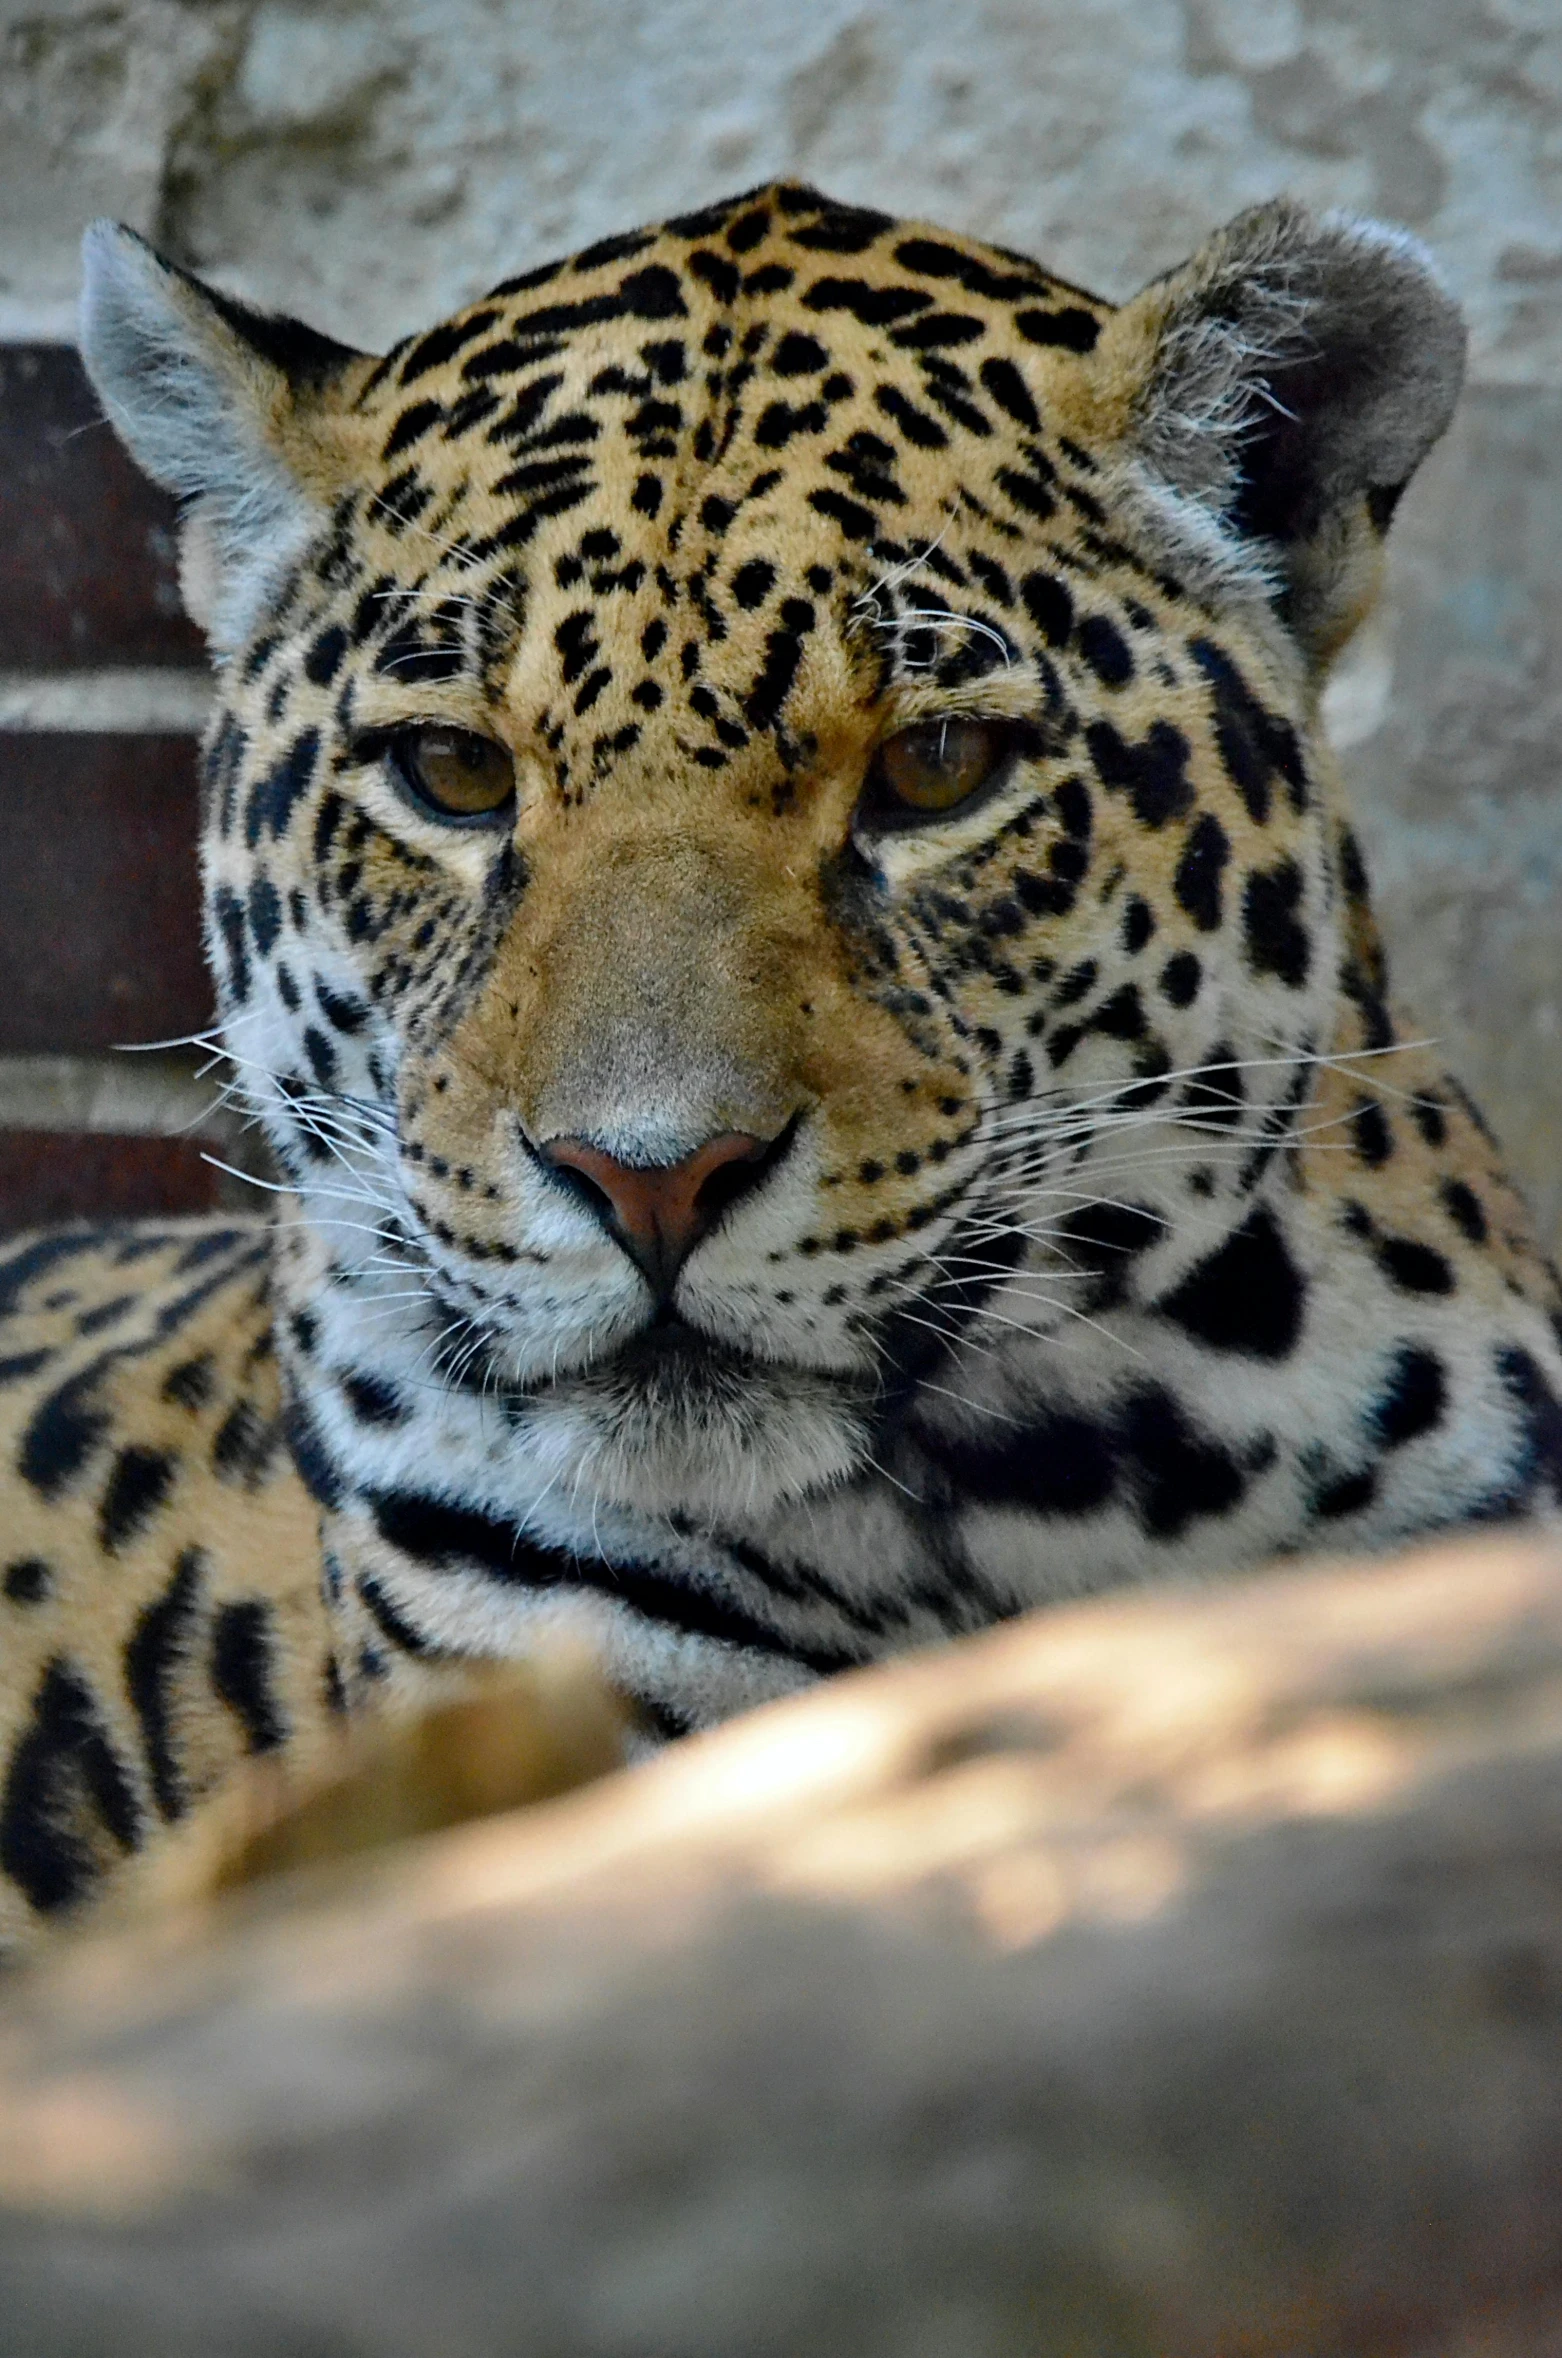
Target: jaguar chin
x=679 y=1422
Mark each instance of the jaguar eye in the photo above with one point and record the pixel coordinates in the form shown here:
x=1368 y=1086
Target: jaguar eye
x=453 y=773
x=934 y=767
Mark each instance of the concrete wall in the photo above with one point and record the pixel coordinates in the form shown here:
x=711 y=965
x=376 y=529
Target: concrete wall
x=371 y=166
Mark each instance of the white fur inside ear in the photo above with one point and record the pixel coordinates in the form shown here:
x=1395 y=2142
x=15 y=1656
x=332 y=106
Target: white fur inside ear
x=196 y=408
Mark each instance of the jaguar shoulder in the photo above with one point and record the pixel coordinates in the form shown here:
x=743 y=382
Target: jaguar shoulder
x=776 y=884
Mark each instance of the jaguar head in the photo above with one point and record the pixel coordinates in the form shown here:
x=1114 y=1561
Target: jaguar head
x=765 y=806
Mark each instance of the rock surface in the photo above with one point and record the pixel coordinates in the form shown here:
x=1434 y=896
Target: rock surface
x=1166 y=1978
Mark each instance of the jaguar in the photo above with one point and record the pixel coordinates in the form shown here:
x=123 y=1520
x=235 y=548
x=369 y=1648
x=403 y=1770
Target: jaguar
x=777 y=886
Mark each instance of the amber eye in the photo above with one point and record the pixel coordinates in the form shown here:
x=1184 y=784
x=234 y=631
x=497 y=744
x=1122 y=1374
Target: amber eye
x=453 y=773
x=922 y=772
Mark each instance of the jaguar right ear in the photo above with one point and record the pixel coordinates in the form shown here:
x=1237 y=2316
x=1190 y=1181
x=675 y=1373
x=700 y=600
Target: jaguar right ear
x=1272 y=397
x=216 y=402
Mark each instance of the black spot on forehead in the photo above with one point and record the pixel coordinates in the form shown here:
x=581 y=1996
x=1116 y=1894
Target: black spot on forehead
x=443 y=343
x=873 y=306
x=1153 y=774
x=931 y=257
x=1073 y=329
x=607 y=250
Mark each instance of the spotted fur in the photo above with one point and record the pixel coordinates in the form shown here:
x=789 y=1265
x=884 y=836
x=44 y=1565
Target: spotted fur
x=1107 y=1227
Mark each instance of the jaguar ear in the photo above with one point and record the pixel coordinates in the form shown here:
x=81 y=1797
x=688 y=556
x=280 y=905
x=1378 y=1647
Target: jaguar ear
x=1276 y=394
x=215 y=401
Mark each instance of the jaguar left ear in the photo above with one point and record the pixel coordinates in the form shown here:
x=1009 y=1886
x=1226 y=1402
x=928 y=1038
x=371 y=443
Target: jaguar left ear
x=1274 y=396
x=218 y=403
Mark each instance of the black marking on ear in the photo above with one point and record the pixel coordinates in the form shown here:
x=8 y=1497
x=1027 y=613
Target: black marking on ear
x=1382 y=500
x=241 y=1666
x=1248 y=1297
x=66 y=1784
x=661 y=1719
x=157 y=1653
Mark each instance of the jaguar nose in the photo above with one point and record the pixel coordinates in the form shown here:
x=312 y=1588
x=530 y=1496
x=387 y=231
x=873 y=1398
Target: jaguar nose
x=658 y=1212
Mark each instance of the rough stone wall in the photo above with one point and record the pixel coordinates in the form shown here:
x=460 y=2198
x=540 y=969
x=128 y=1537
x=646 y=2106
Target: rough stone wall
x=369 y=166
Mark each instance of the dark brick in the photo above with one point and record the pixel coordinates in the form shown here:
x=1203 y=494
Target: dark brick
x=90 y=574
x=49 y=1175
x=99 y=898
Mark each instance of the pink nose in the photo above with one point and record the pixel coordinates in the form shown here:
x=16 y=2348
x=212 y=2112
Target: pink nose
x=659 y=1211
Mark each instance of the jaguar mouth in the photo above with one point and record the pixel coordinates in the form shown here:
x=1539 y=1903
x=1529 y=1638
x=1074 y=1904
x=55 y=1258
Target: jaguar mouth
x=674 y=1418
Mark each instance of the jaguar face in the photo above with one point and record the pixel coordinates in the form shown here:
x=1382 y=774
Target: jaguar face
x=743 y=776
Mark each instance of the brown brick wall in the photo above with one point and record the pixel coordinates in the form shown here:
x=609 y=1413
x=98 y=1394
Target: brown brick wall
x=99 y=903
